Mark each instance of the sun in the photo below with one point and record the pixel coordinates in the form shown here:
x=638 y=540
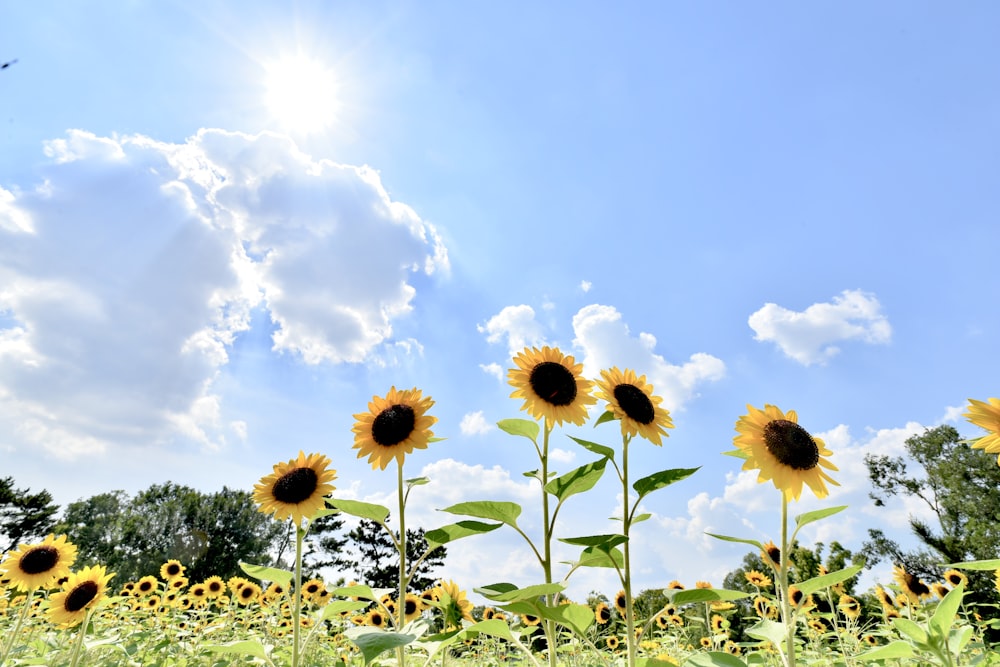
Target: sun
x=301 y=93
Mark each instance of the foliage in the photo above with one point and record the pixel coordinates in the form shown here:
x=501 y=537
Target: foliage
x=373 y=557
x=210 y=533
x=23 y=515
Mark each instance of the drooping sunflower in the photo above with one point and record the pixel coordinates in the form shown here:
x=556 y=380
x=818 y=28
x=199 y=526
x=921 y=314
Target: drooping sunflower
x=602 y=614
x=758 y=579
x=771 y=554
x=783 y=451
x=81 y=592
x=456 y=606
x=393 y=427
x=939 y=590
x=986 y=415
x=620 y=603
x=631 y=400
x=955 y=578
x=296 y=488
x=31 y=566
x=909 y=585
x=551 y=385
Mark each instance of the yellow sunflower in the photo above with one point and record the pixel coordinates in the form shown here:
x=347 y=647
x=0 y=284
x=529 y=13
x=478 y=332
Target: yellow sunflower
x=783 y=451
x=631 y=400
x=171 y=570
x=910 y=586
x=393 y=427
x=412 y=607
x=602 y=614
x=620 y=603
x=758 y=579
x=214 y=587
x=81 y=592
x=987 y=416
x=955 y=578
x=296 y=489
x=458 y=608
x=849 y=606
x=551 y=385
x=32 y=566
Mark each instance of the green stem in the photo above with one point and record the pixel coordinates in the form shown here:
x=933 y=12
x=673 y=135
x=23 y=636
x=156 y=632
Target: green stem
x=547 y=529
x=786 y=607
x=300 y=534
x=17 y=628
x=401 y=601
x=79 y=639
x=630 y=638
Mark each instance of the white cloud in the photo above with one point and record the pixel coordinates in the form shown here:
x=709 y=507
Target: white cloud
x=562 y=455
x=126 y=276
x=493 y=369
x=475 y=424
x=518 y=325
x=606 y=341
x=809 y=337
x=585 y=285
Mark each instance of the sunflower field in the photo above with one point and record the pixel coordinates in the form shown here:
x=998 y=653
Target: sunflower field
x=54 y=612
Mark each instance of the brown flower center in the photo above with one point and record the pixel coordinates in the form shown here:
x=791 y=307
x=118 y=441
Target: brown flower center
x=916 y=586
x=173 y=569
x=295 y=486
x=410 y=607
x=605 y=615
x=39 y=560
x=791 y=444
x=393 y=425
x=80 y=596
x=635 y=403
x=553 y=383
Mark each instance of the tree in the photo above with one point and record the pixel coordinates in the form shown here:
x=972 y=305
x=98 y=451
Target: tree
x=961 y=487
x=324 y=544
x=209 y=533
x=24 y=516
x=374 y=558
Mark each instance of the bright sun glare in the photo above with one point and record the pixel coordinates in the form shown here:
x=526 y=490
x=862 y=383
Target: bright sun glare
x=301 y=93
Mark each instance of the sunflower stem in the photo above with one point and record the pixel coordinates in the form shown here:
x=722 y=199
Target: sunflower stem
x=786 y=608
x=17 y=628
x=547 y=529
x=300 y=534
x=401 y=601
x=630 y=638
x=79 y=639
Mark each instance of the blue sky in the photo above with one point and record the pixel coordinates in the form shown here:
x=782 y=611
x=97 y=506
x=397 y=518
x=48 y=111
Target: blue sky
x=789 y=204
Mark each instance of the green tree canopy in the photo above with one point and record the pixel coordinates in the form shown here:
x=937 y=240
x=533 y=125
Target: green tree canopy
x=371 y=554
x=24 y=516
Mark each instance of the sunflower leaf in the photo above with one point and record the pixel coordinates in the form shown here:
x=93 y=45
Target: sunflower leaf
x=706 y=659
x=576 y=617
x=356 y=591
x=494 y=510
x=375 y=643
x=891 y=651
x=595 y=557
x=704 y=595
x=944 y=615
x=641 y=517
x=517 y=594
x=601 y=450
x=737 y=454
x=603 y=542
x=338 y=607
x=607 y=416
x=457 y=531
x=816 y=515
x=737 y=539
x=911 y=630
x=244 y=647
x=264 y=573
x=976 y=565
x=577 y=481
x=658 y=480
x=810 y=586
x=770 y=630
x=522 y=427
x=371 y=511
x=417 y=481
x=322 y=512
x=493 y=627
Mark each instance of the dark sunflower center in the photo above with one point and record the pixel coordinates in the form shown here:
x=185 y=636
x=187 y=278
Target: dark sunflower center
x=605 y=614
x=39 y=560
x=393 y=425
x=246 y=593
x=145 y=586
x=80 y=596
x=173 y=569
x=791 y=444
x=796 y=597
x=916 y=586
x=410 y=607
x=635 y=403
x=774 y=553
x=214 y=586
x=553 y=383
x=295 y=486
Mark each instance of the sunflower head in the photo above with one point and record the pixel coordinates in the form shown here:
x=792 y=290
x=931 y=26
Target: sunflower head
x=631 y=400
x=393 y=427
x=82 y=591
x=296 y=489
x=551 y=385
x=955 y=578
x=758 y=579
x=911 y=588
x=32 y=566
x=620 y=603
x=454 y=604
x=602 y=614
x=171 y=570
x=783 y=451
x=986 y=414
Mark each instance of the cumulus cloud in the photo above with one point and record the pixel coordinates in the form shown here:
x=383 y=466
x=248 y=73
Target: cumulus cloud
x=493 y=369
x=127 y=274
x=810 y=336
x=475 y=424
x=606 y=341
x=518 y=325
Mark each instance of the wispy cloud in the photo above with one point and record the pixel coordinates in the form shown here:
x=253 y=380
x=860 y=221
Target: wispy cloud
x=518 y=325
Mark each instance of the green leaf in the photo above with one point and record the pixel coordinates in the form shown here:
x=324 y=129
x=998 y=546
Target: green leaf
x=602 y=542
x=641 y=517
x=577 y=481
x=370 y=511
x=508 y=593
x=283 y=577
x=374 y=644
x=418 y=481
x=737 y=539
x=326 y=511
x=600 y=450
x=944 y=615
x=737 y=454
x=493 y=627
x=810 y=586
x=457 y=531
x=704 y=595
x=494 y=510
x=522 y=427
x=595 y=557
x=357 y=591
x=244 y=647
x=977 y=565
x=891 y=651
x=711 y=659
x=958 y=638
x=338 y=607
x=576 y=617
x=606 y=416
x=768 y=630
x=658 y=480
x=911 y=630
x=816 y=515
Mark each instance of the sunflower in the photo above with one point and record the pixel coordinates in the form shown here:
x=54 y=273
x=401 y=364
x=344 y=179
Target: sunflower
x=955 y=578
x=459 y=606
x=376 y=619
x=764 y=607
x=247 y=592
x=884 y=597
x=849 y=606
x=393 y=427
x=797 y=598
x=551 y=385
x=214 y=587
x=987 y=416
x=631 y=400
x=530 y=619
x=489 y=613
x=32 y=566
x=732 y=648
x=147 y=585
x=757 y=579
x=783 y=451
x=412 y=606
x=81 y=592
x=602 y=614
x=171 y=570
x=675 y=586
x=910 y=586
x=939 y=589
x=706 y=642
x=771 y=554
x=295 y=489
x=612 y=642
x=719 y=624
